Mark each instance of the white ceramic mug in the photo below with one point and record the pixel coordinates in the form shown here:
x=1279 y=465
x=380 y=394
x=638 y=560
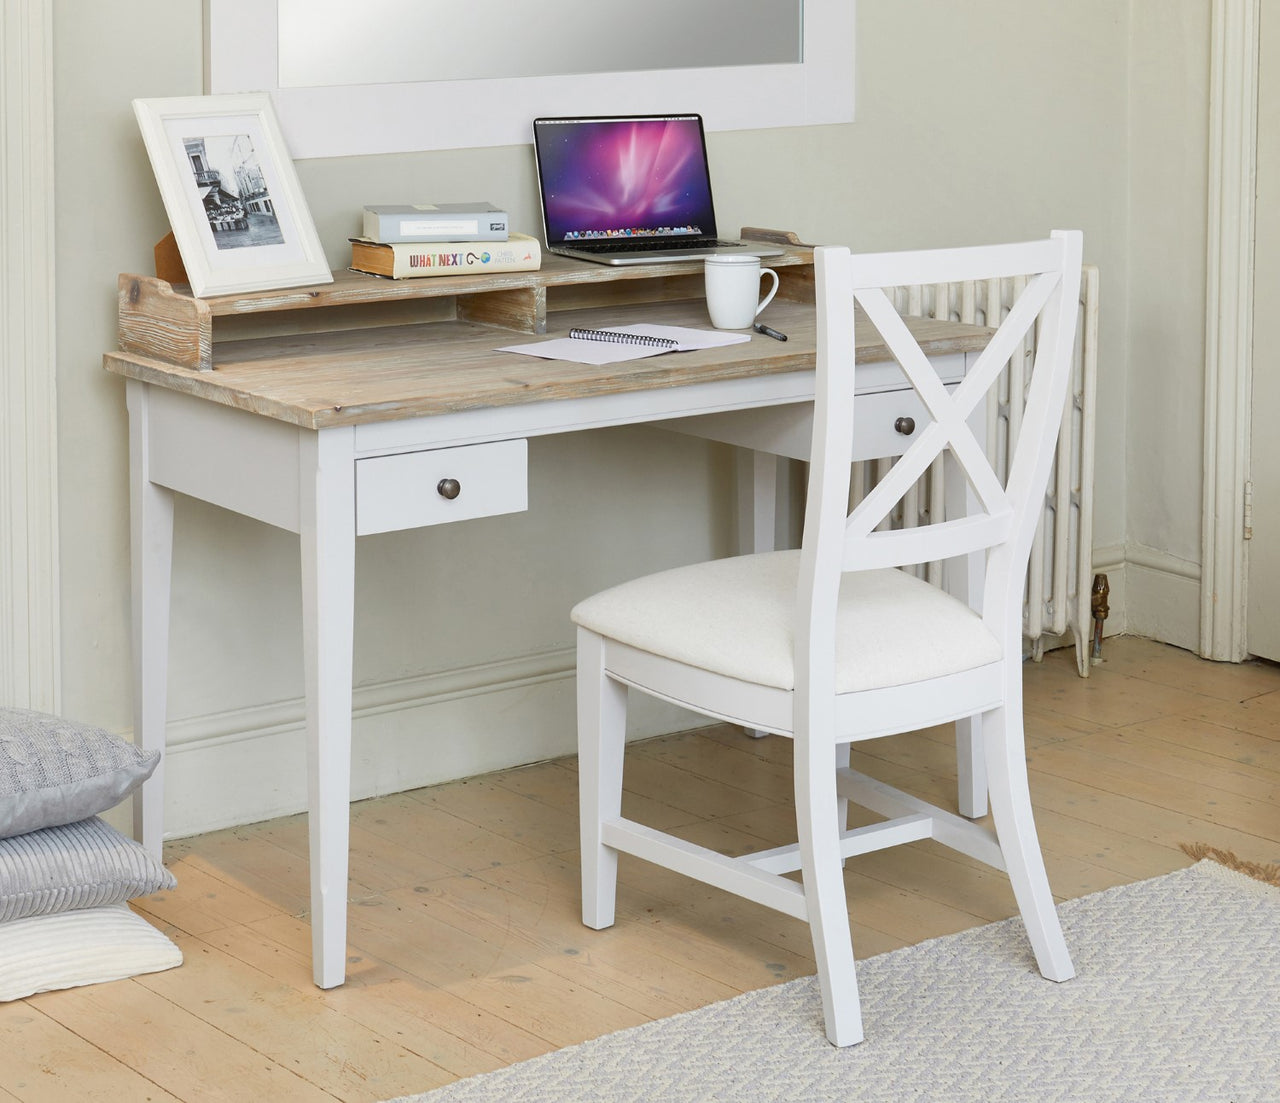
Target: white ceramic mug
x=733 y=288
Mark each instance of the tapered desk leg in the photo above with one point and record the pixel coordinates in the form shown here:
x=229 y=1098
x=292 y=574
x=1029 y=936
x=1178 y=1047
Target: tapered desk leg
x=327 y=499
x=757 y=511
x=151 y=563
x=757 y=501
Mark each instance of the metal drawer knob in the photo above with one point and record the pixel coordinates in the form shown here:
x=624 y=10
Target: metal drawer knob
x=448 y=488
x=905 y=425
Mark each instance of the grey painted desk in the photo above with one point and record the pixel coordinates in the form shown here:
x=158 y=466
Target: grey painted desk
x=335 y=433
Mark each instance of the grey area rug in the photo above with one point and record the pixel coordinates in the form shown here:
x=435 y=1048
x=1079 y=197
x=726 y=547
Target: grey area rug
x=1176 y=998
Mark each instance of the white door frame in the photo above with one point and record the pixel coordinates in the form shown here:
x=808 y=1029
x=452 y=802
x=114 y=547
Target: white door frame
x=30 y=662
x=1233 y=108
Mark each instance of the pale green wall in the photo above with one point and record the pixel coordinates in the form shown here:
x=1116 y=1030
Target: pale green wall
x=981 y=121
x=1168 y=197
x=1168 y=138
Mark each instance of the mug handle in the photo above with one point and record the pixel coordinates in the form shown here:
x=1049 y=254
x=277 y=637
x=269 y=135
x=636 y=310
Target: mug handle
x=772 y=291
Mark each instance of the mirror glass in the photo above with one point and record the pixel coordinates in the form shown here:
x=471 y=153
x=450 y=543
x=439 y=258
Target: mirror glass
x=335 y=42
x=355 y=77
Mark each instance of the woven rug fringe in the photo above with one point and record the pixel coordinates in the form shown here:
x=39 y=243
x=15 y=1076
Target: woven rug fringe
x=1267 y=872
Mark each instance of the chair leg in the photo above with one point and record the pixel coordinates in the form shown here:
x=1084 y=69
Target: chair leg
x=1016 y=830
x=602 y=724
x=844 y=761
x=965 y=580
x=971 y=771
x=818 y=828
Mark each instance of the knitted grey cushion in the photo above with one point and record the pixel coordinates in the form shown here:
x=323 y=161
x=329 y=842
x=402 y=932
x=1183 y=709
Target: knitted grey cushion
x=55 y=771
x=76 y=865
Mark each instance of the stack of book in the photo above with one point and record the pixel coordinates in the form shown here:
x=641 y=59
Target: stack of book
x=441 y=240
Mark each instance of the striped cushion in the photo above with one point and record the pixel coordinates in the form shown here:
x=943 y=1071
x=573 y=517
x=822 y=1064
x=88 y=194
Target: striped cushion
x=47 y=952
x=76 y=865
x=55 y=771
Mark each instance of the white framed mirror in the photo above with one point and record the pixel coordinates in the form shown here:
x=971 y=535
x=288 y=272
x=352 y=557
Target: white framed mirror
x=406 y=41
x=801 y=69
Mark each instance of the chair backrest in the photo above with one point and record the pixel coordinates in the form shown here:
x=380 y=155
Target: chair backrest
x=1005 y=512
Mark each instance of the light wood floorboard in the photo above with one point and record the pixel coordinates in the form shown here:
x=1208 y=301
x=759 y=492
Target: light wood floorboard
x=466 y=951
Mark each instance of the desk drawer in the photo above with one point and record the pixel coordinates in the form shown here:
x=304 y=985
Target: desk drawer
x=880 y=422
x=414 y=489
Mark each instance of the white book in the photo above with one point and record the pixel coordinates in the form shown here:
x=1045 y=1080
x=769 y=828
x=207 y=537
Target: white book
x=436 y=222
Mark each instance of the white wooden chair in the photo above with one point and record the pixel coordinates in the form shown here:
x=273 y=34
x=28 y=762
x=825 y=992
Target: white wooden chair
x=833 y=643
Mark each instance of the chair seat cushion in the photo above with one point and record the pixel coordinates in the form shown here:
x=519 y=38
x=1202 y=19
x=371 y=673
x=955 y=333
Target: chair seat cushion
x=735 y=617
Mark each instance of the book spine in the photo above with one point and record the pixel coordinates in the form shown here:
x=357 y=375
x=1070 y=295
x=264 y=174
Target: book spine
x=433 y=226
x=453 y=263
x=520 y=254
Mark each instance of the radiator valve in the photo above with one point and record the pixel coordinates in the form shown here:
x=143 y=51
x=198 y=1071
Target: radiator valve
x=1098 y=603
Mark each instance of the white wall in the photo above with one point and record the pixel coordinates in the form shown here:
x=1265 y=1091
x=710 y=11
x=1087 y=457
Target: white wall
x=1168 y=137
x=980 y=121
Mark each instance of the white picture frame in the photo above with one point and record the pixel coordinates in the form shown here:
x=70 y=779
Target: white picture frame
x=231 y=192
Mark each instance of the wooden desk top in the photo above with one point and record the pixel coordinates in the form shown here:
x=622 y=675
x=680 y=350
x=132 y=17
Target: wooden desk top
x=387 y=350
x=352 y=377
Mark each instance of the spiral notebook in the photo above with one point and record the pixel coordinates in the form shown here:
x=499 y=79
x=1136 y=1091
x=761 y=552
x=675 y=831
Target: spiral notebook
x=615 y=344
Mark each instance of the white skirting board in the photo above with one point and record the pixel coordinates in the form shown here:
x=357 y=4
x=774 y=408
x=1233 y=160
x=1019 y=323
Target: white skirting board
x=1162 y=597
x=243 y=766
x=240 y=767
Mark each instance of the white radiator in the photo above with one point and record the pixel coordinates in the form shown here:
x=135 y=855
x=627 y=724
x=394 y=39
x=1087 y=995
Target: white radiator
x=1060 y=574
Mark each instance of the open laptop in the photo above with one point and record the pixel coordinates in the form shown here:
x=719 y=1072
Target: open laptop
x=629 y=189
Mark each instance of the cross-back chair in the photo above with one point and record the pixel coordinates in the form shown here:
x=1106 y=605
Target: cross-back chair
x=835 y=643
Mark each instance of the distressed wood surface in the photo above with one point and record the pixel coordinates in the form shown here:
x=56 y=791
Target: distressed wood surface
x=317 y=380
x=523 y=309
x=357 y=287
x=155 y=320
x=163 y=321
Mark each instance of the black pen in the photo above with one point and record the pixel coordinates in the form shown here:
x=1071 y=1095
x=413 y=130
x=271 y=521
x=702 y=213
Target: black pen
x=760 y=327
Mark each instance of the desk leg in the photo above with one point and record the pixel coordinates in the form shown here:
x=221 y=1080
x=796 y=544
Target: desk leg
x=757 y=511
x=757 y=501
x=327 y=499
x=151 y=562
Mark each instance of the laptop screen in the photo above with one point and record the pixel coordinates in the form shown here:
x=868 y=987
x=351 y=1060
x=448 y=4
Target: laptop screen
x=619 y=178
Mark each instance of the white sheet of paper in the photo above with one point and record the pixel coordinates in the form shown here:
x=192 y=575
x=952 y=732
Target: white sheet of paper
x=583 y=352
x=580 y=351
x=688 y=337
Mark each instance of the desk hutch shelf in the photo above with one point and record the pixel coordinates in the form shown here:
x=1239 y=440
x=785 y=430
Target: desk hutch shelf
x=165 y=322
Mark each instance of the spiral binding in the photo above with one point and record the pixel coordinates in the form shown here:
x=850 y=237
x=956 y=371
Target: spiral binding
x=616 y=338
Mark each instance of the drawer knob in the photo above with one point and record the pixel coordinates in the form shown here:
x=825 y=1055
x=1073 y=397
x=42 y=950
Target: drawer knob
x=905 y=425
x=448 y=488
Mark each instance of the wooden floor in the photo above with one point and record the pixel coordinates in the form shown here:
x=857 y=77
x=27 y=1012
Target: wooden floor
x=466 y=951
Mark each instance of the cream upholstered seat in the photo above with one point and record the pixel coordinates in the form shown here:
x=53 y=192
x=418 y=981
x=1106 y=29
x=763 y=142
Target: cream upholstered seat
x=736 y=617
x=837 y=643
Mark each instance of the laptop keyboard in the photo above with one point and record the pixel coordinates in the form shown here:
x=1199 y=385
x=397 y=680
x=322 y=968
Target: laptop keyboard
x=648 y=245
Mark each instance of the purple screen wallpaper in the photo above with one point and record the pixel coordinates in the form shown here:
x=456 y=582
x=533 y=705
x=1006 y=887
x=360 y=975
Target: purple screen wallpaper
x=624 y=176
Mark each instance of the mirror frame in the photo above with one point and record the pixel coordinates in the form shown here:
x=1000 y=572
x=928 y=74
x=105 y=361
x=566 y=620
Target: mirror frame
x=401 y=118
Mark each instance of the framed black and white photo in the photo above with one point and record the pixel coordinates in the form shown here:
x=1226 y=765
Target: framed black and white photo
x=232 y=195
